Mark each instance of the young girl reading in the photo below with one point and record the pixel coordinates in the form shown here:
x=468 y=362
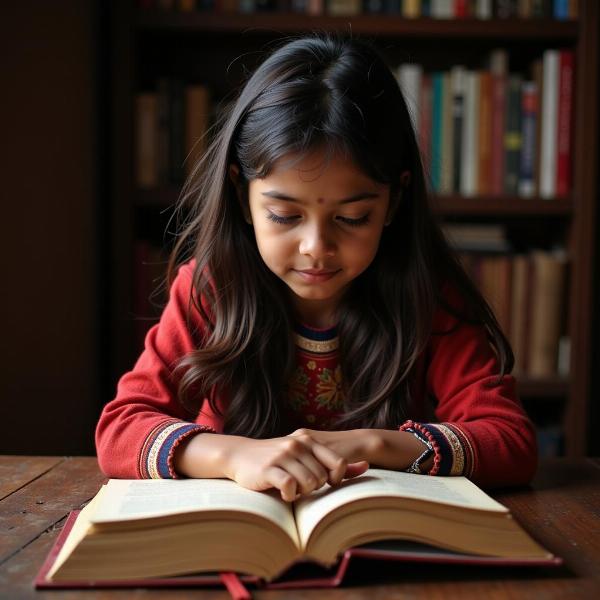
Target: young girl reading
x=318 y=322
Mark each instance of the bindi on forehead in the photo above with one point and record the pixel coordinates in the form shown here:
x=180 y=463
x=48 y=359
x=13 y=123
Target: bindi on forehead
x=320 y=200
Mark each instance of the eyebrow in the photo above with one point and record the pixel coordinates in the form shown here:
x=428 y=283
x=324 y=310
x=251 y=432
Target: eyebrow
x=355 y=198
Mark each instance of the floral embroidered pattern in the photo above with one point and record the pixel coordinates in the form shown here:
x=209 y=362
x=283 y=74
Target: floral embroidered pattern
x=298 y=389
x=329 y=389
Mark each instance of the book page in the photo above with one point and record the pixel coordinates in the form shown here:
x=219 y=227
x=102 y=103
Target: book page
x=456 y=491
x=126 y=500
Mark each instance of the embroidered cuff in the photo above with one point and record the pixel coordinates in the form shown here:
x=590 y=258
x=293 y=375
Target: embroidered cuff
x=453 y=452
x=156 y=457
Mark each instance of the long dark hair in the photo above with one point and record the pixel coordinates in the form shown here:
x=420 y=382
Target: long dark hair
x=330 y=91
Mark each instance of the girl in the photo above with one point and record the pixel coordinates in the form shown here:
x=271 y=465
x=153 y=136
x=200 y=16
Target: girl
x=317 y=322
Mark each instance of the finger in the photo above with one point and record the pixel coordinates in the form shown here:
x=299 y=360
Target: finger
x=333 y=462
x=307 y=481
x=283 y=481
x=318 y=470
x=356 y=469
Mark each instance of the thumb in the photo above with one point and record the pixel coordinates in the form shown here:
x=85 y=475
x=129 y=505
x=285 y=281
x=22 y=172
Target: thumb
x=356 y=469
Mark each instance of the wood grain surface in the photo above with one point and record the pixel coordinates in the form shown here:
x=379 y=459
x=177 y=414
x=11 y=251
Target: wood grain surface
x=561 y=509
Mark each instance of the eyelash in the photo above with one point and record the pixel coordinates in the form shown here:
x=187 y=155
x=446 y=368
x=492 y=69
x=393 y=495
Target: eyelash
x=350 y=222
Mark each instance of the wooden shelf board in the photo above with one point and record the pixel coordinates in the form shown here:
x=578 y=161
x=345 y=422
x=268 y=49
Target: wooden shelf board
x=380 y=25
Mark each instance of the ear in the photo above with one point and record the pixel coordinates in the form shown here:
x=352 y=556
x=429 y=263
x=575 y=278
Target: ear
x=242 y=197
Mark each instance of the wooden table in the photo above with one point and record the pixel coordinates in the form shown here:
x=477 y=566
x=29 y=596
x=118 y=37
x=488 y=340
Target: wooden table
x=561 y=509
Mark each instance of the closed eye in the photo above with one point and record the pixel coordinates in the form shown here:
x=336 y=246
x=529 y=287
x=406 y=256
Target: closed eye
x=355 y=222
x=281 y=220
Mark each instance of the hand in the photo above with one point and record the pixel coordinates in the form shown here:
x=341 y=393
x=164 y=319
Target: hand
x=293 y=464
x=386 y=448
x=355 y=445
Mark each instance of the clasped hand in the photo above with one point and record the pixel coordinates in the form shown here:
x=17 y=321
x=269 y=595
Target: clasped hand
x=301 y=462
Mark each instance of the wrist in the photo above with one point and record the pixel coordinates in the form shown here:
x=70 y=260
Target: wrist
x=204 y=455
x=397 y=450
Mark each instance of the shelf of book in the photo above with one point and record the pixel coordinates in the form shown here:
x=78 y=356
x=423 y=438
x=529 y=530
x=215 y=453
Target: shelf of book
x=154 y=47
x=375 y=24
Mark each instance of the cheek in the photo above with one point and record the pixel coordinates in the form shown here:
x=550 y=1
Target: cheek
x=273 y=247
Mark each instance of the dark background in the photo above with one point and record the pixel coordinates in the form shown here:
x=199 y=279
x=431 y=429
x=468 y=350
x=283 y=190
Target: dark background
x=56 y=218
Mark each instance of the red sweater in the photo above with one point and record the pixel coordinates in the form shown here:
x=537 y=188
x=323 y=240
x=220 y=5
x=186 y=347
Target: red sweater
x=477 y=428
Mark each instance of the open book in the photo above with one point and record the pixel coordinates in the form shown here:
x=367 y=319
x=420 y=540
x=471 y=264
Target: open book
x=136 y=529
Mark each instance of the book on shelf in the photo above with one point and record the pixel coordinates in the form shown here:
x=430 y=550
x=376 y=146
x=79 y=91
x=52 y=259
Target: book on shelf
x=497 y=132
x=144 y=529
x=526 y=291
x=547 y=316
x=561 y=10
x=171 y=127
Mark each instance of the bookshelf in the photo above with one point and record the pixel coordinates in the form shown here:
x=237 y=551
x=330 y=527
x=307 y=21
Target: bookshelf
x=217 y=49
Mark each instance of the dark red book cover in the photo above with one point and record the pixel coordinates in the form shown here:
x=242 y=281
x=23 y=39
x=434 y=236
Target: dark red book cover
x=565 y=103
x=301 y=575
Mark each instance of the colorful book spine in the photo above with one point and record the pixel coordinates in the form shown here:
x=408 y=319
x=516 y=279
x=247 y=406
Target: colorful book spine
x=529 y=106
x=458 y=84
x=425 y=119
x=409 y=76
x=447 y=162
x=411 y=9
x=512 y=136
x=436 y=130
x=469 y=163
x=498 y=68
x=485 y=133
x=564 y=142
x=549 y=124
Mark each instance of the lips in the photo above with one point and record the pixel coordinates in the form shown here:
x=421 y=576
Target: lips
x=317 y=275
x=318 y=271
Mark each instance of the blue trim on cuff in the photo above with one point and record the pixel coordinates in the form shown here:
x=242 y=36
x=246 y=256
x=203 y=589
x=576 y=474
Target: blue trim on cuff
x=163 y=454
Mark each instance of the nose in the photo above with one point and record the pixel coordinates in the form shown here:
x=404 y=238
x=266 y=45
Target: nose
x=317 y=241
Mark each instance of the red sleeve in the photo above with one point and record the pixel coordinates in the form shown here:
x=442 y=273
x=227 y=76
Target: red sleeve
x=483 y=431
x=139 y=429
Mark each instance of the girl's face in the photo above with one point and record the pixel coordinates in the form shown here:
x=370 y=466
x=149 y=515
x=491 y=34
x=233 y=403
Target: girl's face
x=317 y=227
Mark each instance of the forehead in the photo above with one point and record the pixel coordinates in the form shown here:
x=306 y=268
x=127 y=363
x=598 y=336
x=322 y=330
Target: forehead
x=316 y=165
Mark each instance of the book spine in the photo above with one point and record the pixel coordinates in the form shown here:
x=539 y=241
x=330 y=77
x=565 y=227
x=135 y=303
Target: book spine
x=512 y=137
x=469 y=162
x=561 y=10
x=442 y=9
x=344 y=8
x=518 y=329
x=484 y=9
x=447 y=160
x=411 y=9
x=565 y=101
x=529 y=99
x=461 y=9
x=373 y=7
x=146 y=142
x=457 y=78
x=498 y=67
x=316 y=7
x=549 y=124
x=425 y=119
x=409 y=78
x=549 y=278
x=436 y=130
x=485 y=133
